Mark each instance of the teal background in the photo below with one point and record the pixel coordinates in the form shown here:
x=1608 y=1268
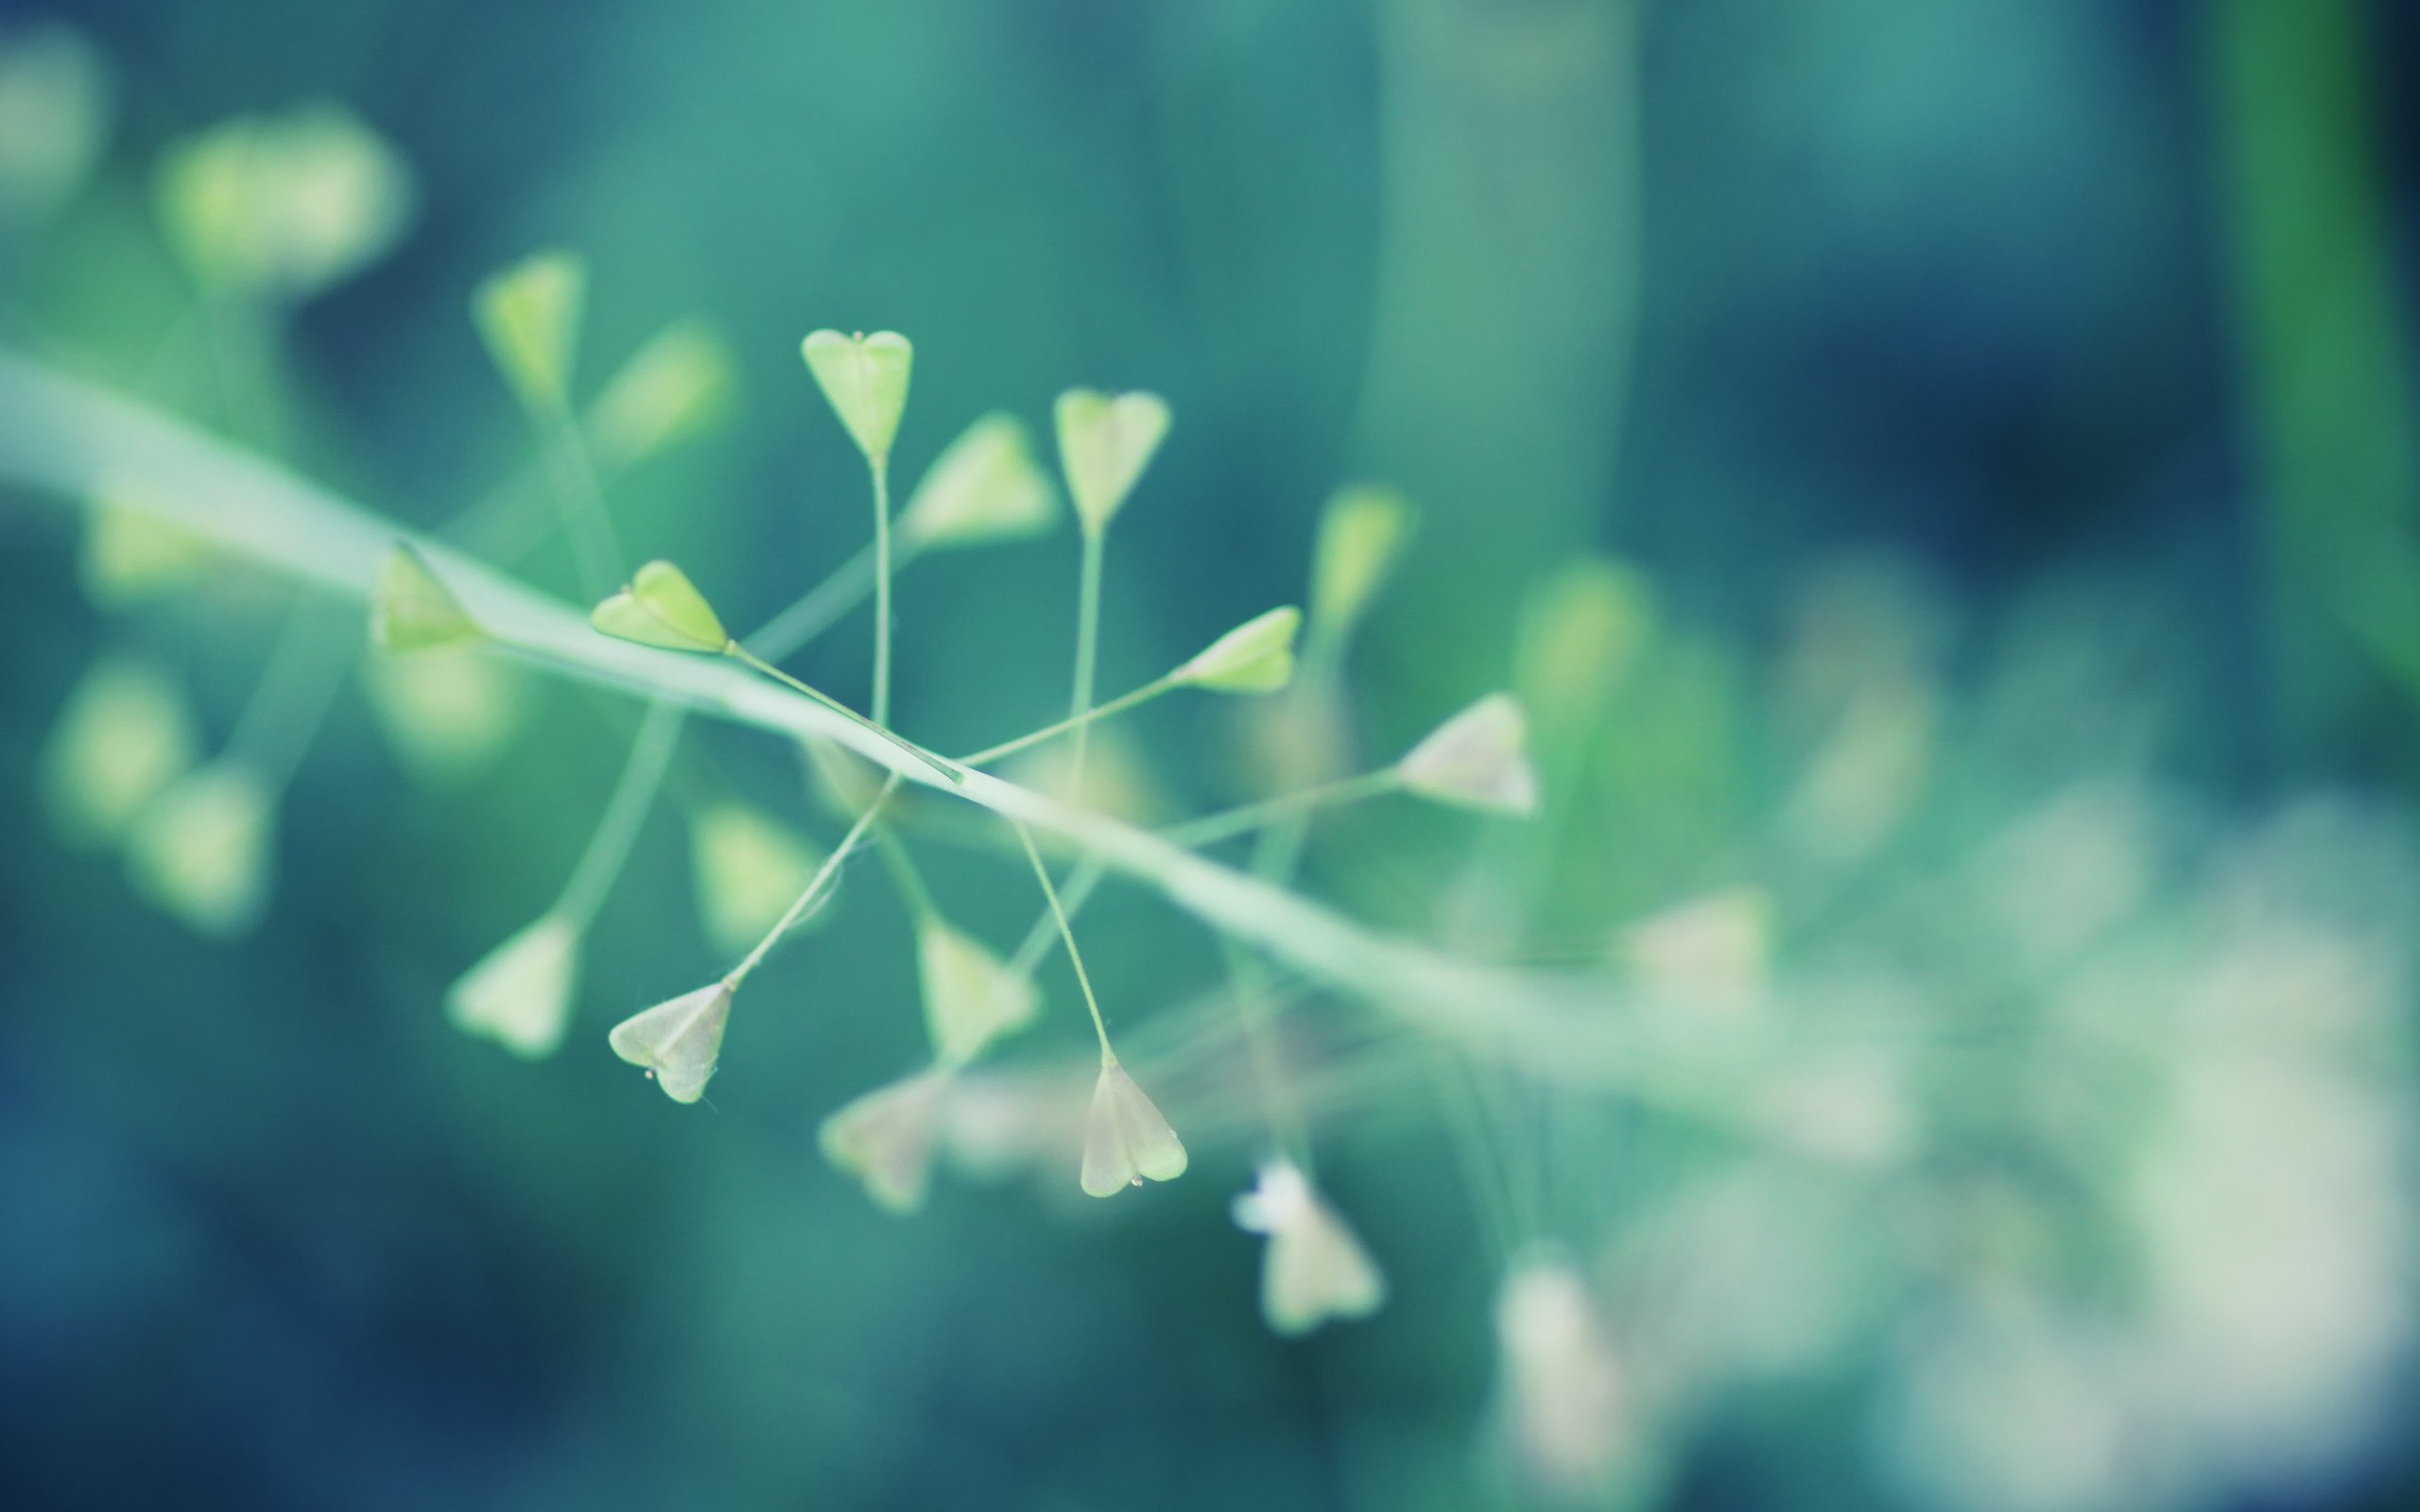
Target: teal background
x=1726 y=288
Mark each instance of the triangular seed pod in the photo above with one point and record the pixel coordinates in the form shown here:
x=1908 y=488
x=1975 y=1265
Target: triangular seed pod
x=1126 y=1138
x=1104 y=445
x=985 y=487
x=412 y=609
x=530 y=317
x=661 y=608
x=519 y=994
x=865 y=378
x=1477 y=759
x=678 y=1041
x=1255 y=657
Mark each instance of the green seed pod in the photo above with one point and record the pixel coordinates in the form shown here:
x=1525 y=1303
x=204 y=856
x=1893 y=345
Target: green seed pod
x=530 y=317
x=865 y=378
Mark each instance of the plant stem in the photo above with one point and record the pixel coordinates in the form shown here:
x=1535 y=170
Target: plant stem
x=297 y=684
x=1068 y=934
x=581 y=498
x=609 y=847
x=70 y=437
x=1212 y=828
x=1087 y=648
x=740 y=653
x=1077 y=722
x=815 y=885
x=910 y=883
x=880 y=467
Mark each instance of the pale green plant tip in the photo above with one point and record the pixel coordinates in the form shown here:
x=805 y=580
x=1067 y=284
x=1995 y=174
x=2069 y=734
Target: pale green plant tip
x=1104 y=444
x=884 y=1139
x=412 y=609
x=1126 y=1139
x=201 y=850
x=1315 y=1268
x=55 y=99
x=1477 y=759
x=1582 y=632
x=1255 y=657
x=447 y=712
x=677 y=386
x=678 y=1041
x=865 y=380
x=529 y=314
x=747 y=869
x=124 y=736
x=971 y=996
x=519 y=994
x=284 y=206
x=985 y=487
x=660 y=606
x=1361 y=533
x=130 y=554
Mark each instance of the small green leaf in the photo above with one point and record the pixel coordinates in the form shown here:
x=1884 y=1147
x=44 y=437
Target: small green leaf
x=884 y=1139
x=1362 y=532
x=750 y=867
x=986 y=487
x=412 y=609
x=971 y=997
x=678 y=1041
x=1255 y=657
x=676 y=387
x=130 y=554
x=124 y=736
x=447 y=712
x=1315 y=1268
x=201 y=850
x=530 y=317
x=1104 y=445
x=1478 y=759
x=519 y=994
x=1126 y=1138
x=865 y=378
x=661 y=607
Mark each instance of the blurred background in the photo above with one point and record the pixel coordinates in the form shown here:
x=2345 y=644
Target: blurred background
x=1942 y=478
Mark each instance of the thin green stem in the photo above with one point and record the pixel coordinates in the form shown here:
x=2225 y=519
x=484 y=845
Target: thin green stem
x=293 y=691
x=1212 y=828
x=741 y=654
x=903 y=875
x=1087 y=651
x=1117 y=705
x=1068 y=934
x=581 y=498
x=821 y=607
x=815 y=887
x=608 y=845
x=881 y=469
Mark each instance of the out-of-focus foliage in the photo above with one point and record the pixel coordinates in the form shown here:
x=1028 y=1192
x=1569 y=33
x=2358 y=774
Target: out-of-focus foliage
x=1932 y=484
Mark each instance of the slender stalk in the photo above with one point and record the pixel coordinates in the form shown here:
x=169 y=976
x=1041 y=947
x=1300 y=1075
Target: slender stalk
x=293 y=691
x=903 y=875
x=582 y=499
x=1076 y=722
x=1087 y=650
x=1212 y=828
x=881 y=469
x=1068 y=934
x=740 y=653
x=815 y=887
x=609 y=847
